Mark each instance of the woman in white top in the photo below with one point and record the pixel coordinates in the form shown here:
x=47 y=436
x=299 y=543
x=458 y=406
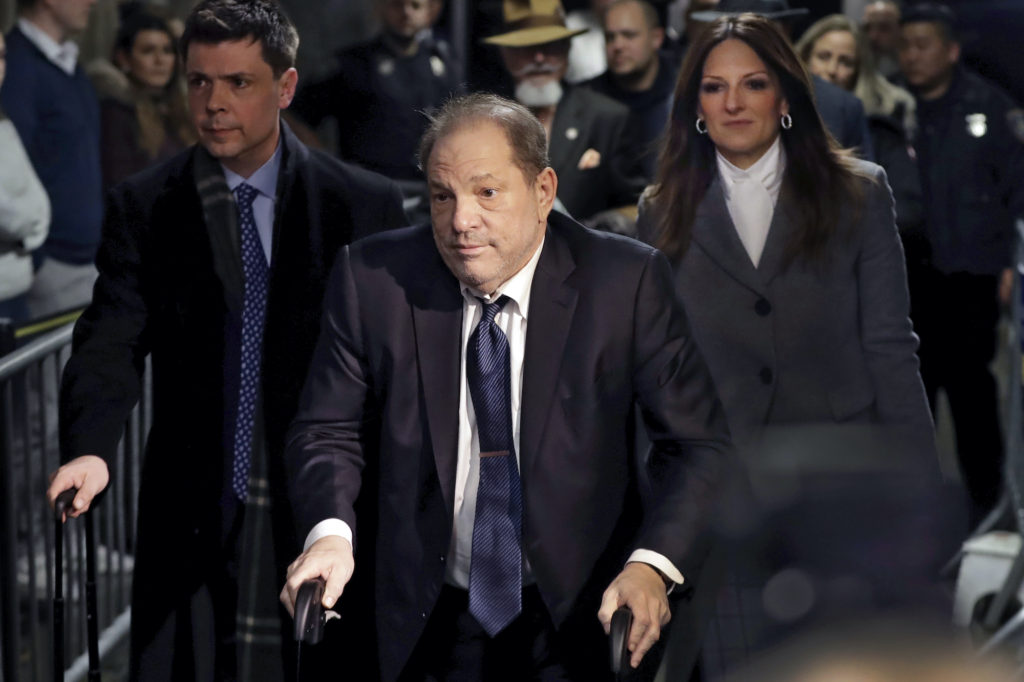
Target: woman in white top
x=787 y=255
x=789 y=264
x=24 y=216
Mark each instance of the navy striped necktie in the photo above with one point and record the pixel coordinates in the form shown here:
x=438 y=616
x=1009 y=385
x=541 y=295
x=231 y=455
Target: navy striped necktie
x=495 y=575
x=254 y=305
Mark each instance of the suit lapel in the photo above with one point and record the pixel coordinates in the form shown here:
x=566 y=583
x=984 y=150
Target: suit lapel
x=437 y=324
x=560 y=146
x=773 y=259
x=293 y=157
x=552 y=304
x=715 y=232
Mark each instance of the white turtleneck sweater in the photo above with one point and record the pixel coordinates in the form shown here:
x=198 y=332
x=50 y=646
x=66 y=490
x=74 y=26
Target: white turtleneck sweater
x=751 y=195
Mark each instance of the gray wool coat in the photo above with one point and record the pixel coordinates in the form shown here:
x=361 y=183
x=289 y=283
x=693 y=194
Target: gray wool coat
x=806 y=345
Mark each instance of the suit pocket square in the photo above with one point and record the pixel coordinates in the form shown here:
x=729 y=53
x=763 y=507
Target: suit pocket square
x=590 y=159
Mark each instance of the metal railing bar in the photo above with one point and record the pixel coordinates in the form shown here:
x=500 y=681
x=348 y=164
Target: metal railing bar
x=119 y=529
x=32 y=351
x=27 y=503
x=105 y=530
x=9 y=627
x=111 y=636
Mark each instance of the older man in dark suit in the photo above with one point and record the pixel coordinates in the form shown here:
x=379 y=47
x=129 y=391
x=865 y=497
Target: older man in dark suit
x=213 y=264
x=487 y=369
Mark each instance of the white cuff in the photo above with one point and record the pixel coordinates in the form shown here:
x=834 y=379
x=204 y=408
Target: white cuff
x=329 y=527
x=660 y=562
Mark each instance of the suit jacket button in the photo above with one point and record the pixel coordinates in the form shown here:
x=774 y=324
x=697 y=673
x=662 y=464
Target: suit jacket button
x=441 y=558
x=766 y=375
x=762 y=307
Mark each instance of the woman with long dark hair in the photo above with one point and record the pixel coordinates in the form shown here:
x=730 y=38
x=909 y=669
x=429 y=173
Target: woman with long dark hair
x=788 y=261
x=787 y=256
x=144 y=115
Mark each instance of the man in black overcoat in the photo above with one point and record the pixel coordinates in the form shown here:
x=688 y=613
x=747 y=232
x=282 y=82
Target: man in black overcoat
x=213 y=264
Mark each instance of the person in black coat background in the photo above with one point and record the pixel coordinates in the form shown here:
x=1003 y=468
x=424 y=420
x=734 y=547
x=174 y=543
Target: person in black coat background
x=970 y=149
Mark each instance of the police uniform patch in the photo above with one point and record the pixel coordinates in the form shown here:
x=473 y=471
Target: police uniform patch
x=437 y=66
x=1015 y=121
x=977 y=124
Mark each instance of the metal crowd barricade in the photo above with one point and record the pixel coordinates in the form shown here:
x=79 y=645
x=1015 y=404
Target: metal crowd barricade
x=29 y=386
x=1007 y=627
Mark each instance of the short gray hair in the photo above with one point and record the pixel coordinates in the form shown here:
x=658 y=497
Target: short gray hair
x=525 y=134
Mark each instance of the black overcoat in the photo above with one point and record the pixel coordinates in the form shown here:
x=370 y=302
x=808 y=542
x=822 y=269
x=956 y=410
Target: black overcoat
x=166 y=287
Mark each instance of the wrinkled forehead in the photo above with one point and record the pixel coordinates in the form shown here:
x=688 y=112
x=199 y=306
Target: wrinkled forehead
x=476 y=137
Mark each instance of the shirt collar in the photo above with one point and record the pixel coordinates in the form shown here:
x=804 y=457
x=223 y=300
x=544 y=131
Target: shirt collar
x=264 y=179
x=767 y=170
x=516 y=288
x=64 y=55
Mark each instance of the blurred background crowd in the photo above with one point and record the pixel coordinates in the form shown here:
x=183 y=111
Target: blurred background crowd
x=929 y=93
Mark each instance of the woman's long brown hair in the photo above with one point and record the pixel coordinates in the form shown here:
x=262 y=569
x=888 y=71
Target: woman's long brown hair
x=156 y=113
x=820 y=180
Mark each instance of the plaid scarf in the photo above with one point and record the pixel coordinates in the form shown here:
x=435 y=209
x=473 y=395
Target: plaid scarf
x=258 y=624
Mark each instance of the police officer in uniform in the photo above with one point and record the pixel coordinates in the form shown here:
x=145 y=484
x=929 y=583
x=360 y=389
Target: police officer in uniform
x=381 y=89
x=970 y=146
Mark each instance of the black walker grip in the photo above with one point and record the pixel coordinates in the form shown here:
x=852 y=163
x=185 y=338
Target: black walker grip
x=618 y=634
x=63 y=504
x=309 y=612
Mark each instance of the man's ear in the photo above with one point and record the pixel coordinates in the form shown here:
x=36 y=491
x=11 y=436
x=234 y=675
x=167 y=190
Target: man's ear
x=953 y=52
x=545 y=186
x=658 y=36
x=435 y=7
x=286 y=84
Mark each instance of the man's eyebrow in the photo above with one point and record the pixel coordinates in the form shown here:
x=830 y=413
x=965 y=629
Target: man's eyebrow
x=223 y=76
x=480 y=177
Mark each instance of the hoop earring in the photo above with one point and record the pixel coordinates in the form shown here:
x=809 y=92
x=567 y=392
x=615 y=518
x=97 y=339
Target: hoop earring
x=786 y=122
x=702 y=128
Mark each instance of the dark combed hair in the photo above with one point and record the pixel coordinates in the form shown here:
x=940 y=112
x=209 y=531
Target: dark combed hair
x=819 y=180
x=136 y=18
x=933 y=13
x=524 y=132
x=218 y=21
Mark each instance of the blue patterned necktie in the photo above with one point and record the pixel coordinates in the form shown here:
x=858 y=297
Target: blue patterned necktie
x=254 y=306
x=495 y=574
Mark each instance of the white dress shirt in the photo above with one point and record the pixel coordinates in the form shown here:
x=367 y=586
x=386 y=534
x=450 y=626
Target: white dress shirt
x=512 y=320
x=264 y=181
x=64 y=55
x=751 y=195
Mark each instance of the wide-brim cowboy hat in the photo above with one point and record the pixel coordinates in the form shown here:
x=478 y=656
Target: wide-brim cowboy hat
x=769 y=9
x=533 y=22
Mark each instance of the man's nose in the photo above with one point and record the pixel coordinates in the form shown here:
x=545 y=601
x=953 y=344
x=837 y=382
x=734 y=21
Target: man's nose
x=465 y=216
x=215 y=98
